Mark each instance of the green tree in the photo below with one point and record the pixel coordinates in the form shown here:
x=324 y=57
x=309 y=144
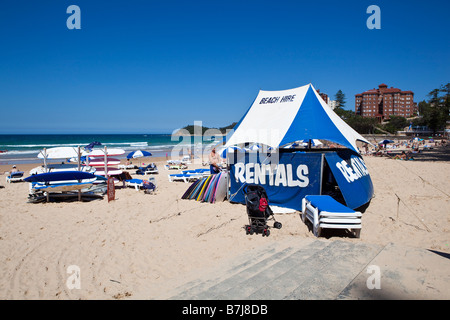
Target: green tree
x=340 y=99
x=445 y=89
x=434 y=113
x=396 y=123
x=358 y=123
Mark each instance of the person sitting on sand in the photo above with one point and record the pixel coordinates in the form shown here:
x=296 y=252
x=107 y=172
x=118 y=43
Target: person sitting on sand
x=14 y=169
x=401 y=156
x=404 y=156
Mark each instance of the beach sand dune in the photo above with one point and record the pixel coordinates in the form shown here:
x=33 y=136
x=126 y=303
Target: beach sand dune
x=140 y=246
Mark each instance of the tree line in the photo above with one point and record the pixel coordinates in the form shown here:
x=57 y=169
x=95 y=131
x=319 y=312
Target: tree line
x=433 y=113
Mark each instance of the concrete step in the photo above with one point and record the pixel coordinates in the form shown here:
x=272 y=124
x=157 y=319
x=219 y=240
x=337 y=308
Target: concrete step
x=322 y=269
x=244 y=264
x=242 y=288
x=327 y=274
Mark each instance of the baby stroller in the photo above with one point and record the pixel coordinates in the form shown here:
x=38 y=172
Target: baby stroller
x=258 y=210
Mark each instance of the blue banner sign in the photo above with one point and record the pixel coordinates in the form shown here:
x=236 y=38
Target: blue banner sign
x=286 y=181
x=352 y=177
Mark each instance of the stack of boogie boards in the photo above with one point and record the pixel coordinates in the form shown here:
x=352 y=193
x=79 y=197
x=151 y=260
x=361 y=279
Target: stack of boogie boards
x=208 y=189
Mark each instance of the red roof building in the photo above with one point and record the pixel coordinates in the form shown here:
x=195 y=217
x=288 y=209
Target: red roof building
x=385 y=102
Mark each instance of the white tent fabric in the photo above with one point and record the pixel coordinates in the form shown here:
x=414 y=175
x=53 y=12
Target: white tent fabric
x=277 y=118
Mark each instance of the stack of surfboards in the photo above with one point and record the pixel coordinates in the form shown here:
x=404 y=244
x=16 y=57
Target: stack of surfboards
x=61 y=154
x=97 y=160
x=208 y=189
x=62 y=181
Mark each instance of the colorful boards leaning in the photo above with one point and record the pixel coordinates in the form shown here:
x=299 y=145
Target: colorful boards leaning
x=208 y=189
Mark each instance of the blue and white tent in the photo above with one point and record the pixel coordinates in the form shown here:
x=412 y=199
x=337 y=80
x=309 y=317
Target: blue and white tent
x=278 y=119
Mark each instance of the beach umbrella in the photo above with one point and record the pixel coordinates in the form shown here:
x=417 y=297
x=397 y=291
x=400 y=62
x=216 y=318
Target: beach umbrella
x=255 y=147
x=314 y=142
x=385 y=142
x=138 y=154
x=223 y=152
x=291 y=145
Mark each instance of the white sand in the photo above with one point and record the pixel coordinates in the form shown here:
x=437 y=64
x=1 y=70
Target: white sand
x=140 y=246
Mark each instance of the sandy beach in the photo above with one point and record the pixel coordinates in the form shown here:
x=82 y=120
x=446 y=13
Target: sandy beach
x=140 y=246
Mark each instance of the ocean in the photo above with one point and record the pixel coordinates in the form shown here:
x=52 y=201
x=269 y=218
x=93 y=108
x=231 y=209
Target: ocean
x=24 y=148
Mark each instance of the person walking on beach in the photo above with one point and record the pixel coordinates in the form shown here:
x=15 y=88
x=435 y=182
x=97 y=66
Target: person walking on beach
x=214 y=162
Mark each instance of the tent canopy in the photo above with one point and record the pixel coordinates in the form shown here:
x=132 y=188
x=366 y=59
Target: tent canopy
x=277 y=118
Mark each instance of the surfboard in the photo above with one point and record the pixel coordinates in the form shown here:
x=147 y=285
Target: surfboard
x=194 y=186
x=196 y=190
x=101 y=152
x=203 y=188
x=189 y=190
x=213 y=191
x=55 y=167
x=101 y=162
x=62 y=187
x=59 y=153
x=60 y=176
x=111 y=171
x=53 y=197
x=208 y=188
x=221 y=189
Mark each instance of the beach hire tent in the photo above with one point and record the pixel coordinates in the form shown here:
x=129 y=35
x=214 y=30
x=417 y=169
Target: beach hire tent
x=279 y=118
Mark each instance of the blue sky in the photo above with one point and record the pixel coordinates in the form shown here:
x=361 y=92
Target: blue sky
x=153 y=66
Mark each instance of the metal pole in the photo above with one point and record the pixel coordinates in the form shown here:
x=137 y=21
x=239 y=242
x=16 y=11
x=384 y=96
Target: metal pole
x=79 y=169
x=45 y=170
x=106 y=163
x=45 y=159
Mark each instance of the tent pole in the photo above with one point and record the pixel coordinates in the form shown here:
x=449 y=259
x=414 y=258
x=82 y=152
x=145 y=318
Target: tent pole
x=321 y=172
x=106 y=164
